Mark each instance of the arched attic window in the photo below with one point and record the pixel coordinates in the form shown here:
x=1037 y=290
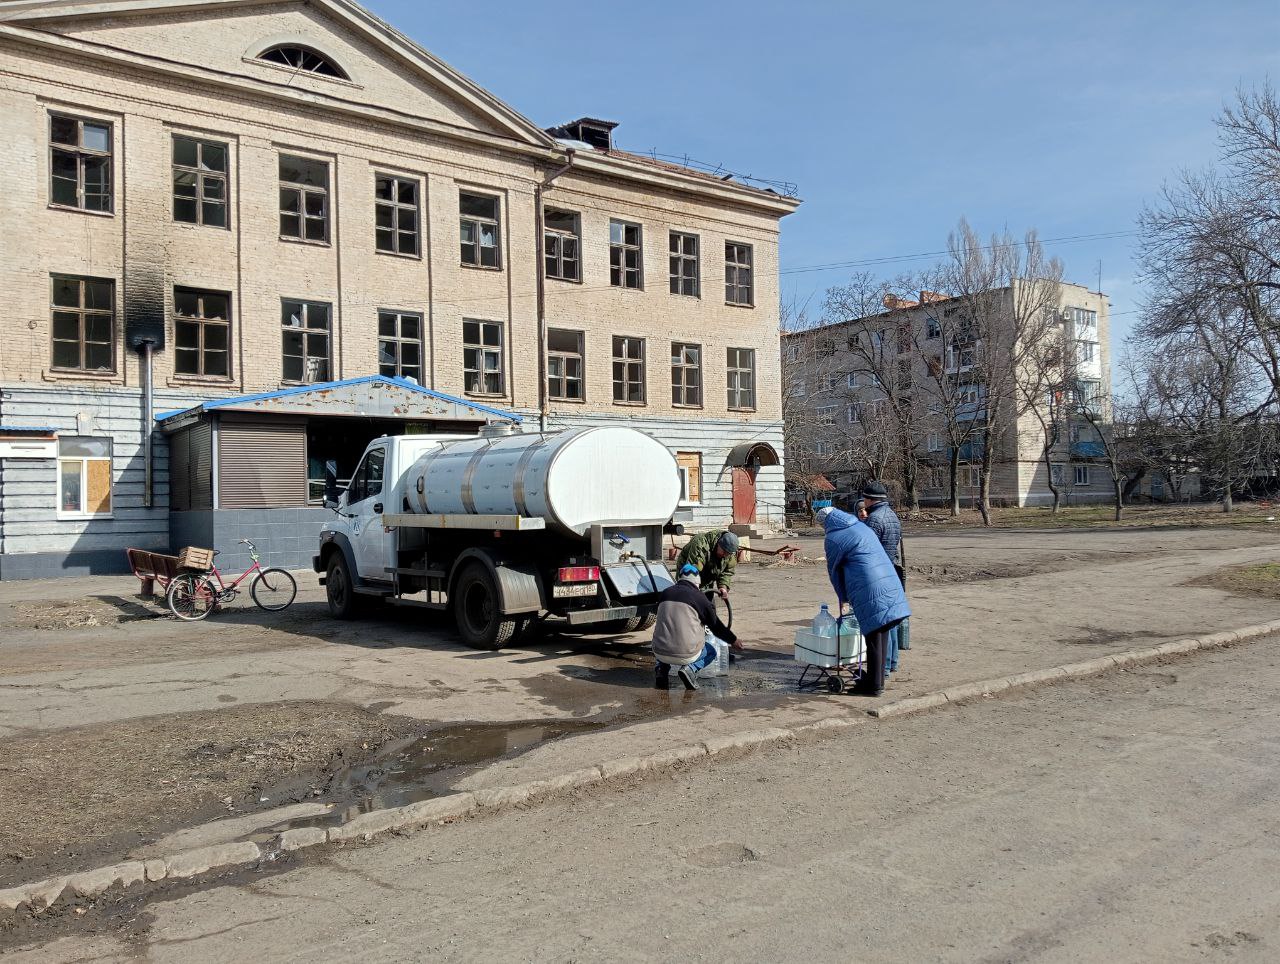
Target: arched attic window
x=302 y=58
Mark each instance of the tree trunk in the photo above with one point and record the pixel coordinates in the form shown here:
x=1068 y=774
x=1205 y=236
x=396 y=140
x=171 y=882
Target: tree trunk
x=1227 y=505
x=984 y=495
x=1119 y=490
x=1048 y=469
x=954 y=468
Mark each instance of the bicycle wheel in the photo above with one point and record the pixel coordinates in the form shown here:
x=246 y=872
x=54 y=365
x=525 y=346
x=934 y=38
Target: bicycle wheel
x=192 y=597
x=273 y=589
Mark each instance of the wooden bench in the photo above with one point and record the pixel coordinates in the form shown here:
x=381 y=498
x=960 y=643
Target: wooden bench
x=152 y=567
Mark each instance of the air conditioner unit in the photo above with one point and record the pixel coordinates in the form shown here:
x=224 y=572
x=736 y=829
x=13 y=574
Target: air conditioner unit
x=1066 y=314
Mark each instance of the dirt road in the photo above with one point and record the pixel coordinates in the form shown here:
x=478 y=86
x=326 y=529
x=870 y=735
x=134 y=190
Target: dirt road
x=1127 y=818
x=252 y=711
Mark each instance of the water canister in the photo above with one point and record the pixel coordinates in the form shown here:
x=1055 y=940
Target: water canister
x=573 y=479
x=824 y=624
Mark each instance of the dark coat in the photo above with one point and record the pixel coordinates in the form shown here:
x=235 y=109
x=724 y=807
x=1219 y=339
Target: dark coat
x=862 y=573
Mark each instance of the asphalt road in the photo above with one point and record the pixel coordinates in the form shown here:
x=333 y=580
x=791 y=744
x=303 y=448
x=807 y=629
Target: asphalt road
x=1125 y=818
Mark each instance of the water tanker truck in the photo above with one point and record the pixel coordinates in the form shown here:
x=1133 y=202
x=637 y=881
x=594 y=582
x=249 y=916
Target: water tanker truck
x=504 y=529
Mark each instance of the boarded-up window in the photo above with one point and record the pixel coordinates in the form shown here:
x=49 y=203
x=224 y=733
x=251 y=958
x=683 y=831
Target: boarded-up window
x=262 y=463
x=84 y=477
x=690 y=476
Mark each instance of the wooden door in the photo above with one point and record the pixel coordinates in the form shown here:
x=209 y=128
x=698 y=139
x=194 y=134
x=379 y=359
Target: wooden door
x=744 y=495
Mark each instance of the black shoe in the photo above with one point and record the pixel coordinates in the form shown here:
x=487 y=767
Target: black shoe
x=688 y=677
x=662 y=678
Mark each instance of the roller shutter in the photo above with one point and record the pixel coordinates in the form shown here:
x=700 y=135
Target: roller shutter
x=262 y=463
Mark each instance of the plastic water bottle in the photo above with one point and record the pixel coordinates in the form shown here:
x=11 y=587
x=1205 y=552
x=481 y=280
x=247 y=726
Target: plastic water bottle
x=824 y=624
x=722 y=657
x=850 y=637
x=904 y=634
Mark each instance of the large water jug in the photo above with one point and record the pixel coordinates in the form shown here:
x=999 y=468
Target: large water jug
x=824 y=624
x=850 y=638
x=720 y=665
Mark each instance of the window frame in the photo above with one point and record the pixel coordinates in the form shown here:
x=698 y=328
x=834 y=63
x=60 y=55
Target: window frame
x=680 y=259
x=560 y=236
x=620 y=249
x=498 y=350
x=81 y=153
x=734 y=270
x=399 y=340
x=360 y=477
x=684 y=368
x=304 y=313
x=854 y=412
x=83 y=314
x=734 y=374
x=477 y=222
x=627 y=362
x=84 y=460
x=335 y=71
x=824 y=416
x=933 y=442
x=565 y=358
x=303 y=191
x=1080 y=475
x=202 y=177
x=395 y=206
x=201 y=322
x=688 y=497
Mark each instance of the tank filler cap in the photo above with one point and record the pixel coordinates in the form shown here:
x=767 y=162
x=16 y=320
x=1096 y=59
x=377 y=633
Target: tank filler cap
x=497 y=429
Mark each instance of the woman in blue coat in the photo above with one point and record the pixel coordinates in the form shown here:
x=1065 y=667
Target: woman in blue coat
x=863 y=576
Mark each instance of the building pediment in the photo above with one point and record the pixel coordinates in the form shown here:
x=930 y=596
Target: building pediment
x=377 y=66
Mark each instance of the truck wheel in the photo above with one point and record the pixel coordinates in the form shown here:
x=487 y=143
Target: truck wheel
x=475 y=610
x=633 y=624
x=339 y=590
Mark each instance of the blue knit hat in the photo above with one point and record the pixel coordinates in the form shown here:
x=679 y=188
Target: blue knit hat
x=689 y=570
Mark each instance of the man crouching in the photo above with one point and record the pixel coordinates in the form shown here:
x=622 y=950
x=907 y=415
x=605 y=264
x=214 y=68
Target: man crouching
x=680 y=636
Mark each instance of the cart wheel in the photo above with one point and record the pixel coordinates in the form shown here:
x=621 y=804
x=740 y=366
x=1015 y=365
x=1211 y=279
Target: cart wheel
x=835 y=684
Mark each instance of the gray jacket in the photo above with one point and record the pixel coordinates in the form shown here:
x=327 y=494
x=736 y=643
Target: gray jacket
x=684 y=613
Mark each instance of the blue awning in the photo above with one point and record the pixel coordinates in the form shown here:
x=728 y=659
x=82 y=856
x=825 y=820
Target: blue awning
x=372 y=396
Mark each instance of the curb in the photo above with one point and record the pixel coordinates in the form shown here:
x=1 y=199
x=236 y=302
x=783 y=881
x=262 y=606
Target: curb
x=39 y=896
x=1089 y=667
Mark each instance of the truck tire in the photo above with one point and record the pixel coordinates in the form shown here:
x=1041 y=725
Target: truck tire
x=476 y=610
x=633 y=624
x=339 y=589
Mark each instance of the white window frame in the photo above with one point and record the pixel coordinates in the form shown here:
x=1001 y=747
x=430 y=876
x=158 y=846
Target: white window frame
x=934 y=442
x=854 y=413
x=799 y=389
x=828 y=383
x=851 y=380
x=822 y=447
x=84 y=461
x=825 y=415
x=975 y=477
x=1082 y=475
x=685 y=473
x=1057 y=473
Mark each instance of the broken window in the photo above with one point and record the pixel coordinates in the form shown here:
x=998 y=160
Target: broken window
x=478 y=221
x=400 y=344
x=560 y=243
x=199 y=182
x=564 y=365
x=306 y=340
x=304 y=199
x=625 y=263
x=83 y=323
x=396 y=214
x=742 y=379
x=201 y=333
x=737 y=274
x=628 y=370
x=80 y=163
x=84 y=476
x=684 y=264
x=482 y=357
x=302 y=58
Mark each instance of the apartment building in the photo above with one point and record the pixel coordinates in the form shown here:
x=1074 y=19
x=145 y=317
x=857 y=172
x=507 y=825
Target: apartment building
x=895 y=393
x=241 y=238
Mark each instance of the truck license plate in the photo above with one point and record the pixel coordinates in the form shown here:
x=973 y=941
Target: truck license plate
x=578 y=589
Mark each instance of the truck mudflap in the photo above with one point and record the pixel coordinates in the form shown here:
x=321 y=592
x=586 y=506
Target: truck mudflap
x=579 y=617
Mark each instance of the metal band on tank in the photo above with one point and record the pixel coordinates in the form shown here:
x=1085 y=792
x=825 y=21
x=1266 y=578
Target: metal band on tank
x=517 y=482
x=469 y=476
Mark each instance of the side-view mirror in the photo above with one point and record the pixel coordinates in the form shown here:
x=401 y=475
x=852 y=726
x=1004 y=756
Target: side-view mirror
x=330 y=504
x=331 y=490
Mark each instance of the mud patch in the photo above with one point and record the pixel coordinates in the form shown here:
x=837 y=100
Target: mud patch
x=74 y=796
x=89 y=612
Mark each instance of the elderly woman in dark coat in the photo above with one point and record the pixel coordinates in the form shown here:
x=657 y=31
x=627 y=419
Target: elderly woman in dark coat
x=863 y=576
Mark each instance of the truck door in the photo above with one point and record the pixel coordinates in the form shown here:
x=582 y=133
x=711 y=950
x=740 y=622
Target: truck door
x=373 y=545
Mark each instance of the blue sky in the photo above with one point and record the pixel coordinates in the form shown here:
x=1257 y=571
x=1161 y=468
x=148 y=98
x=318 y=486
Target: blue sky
x=893 y=118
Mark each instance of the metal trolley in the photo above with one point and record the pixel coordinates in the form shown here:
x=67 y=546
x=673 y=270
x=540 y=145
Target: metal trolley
x=840 y=671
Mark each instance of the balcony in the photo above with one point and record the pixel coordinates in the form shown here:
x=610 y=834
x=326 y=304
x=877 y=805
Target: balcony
x=1088 y=450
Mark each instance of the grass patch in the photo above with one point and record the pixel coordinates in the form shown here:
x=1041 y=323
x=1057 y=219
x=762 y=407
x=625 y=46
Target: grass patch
x=1088 y=516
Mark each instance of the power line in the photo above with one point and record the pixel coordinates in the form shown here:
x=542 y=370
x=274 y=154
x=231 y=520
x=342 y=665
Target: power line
x=868 y=262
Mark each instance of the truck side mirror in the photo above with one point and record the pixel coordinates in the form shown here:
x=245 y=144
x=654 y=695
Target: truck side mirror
x=331 y=490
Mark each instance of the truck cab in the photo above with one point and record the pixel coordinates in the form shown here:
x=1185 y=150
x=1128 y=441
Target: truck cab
x=497 y=573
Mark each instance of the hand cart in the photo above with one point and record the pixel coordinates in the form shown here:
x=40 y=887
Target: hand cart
x=837 y=659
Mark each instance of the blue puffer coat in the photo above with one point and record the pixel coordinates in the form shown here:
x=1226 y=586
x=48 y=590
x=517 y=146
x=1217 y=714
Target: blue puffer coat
x=861 y=572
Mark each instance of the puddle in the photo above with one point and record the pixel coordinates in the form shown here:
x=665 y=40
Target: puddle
x=419 y=768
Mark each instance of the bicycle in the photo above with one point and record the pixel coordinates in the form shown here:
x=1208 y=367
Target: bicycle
x=194 y=595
